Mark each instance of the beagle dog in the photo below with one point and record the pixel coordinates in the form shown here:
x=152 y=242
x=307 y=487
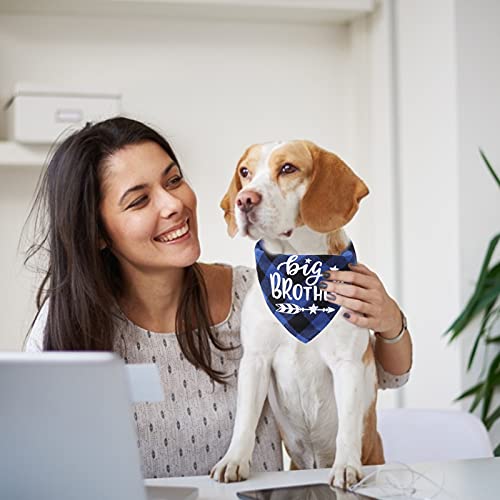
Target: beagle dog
x=297 y=197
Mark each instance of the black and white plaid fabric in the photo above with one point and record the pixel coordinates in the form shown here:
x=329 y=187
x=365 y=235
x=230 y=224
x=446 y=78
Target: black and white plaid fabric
x=290 y=286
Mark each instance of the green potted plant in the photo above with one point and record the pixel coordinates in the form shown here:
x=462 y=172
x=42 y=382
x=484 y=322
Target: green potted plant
x=484 y=300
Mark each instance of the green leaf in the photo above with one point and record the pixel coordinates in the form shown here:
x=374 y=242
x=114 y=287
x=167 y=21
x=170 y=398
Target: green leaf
x=469 y=392
x=474 y=305
x=491 y=382
x=478 y=398
x=481 y=333
x=496 y=452
x=494 y=273
x=486 y=262
x=465 y=317
x=493 y=340
x=489 y=297
x=479 y=390
x=484 y=301
x=491 y=419
x=490 y=168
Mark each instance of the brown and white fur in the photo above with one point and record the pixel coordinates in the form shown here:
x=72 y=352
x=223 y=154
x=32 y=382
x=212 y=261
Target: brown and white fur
x=297 y=197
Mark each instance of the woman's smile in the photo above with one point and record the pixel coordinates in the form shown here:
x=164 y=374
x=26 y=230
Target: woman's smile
x=175 y=235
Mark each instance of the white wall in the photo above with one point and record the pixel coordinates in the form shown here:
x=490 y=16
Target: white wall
x=375 y=229
x=17 y=286
x=429 y=173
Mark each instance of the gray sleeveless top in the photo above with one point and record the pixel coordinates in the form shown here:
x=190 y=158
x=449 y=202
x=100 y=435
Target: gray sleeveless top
x=190 y=431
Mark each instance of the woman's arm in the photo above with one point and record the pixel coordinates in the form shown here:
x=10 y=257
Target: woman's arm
x=368 y=305
x=395 y=358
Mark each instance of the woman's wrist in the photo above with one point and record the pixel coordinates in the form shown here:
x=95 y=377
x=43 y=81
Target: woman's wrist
x=395 y=333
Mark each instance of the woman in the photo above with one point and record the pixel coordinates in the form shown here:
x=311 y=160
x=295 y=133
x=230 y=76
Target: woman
x=123 y=276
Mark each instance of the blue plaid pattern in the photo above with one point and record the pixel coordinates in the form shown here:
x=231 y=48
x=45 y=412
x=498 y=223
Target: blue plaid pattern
x=303 y=315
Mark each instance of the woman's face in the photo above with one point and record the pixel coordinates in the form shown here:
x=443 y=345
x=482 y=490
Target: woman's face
x=148 y=210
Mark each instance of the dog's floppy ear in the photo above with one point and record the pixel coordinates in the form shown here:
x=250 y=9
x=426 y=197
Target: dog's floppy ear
x=334 y=193
x=227 y=204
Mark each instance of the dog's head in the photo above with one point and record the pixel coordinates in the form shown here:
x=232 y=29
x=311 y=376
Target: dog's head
x=278 y=187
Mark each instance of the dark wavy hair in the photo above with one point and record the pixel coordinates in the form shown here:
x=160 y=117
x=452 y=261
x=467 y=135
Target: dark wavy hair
x=82 y=282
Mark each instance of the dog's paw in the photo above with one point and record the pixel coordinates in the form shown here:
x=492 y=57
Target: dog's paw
x=231 y=469
x=344 y=475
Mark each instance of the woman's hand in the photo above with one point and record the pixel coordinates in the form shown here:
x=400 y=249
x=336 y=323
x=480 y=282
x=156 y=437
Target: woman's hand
x=364 y=298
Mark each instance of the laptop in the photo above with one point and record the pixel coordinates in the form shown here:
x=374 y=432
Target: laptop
x=67 y=432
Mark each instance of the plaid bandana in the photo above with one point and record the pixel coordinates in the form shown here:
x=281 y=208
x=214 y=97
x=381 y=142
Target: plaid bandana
x=290 y=286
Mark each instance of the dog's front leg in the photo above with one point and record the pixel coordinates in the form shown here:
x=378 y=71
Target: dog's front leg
x=253 y=385
x=349 y=394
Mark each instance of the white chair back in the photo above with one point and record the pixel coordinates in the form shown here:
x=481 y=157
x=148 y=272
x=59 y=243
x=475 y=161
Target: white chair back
x=415 y=435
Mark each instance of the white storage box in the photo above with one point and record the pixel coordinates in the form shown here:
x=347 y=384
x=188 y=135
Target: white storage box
x=44 y=116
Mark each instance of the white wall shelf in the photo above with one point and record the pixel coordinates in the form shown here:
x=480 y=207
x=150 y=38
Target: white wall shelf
x=13 y=154
x=303 y=11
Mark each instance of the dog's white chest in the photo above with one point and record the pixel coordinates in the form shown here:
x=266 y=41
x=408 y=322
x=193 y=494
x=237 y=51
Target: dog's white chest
x=304 y=404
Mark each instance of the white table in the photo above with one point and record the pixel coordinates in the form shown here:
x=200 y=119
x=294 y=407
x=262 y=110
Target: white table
x=477 y=479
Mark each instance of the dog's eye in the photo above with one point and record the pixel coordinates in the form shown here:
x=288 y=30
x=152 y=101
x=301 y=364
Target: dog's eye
x=288 y=168
x=244 y=172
